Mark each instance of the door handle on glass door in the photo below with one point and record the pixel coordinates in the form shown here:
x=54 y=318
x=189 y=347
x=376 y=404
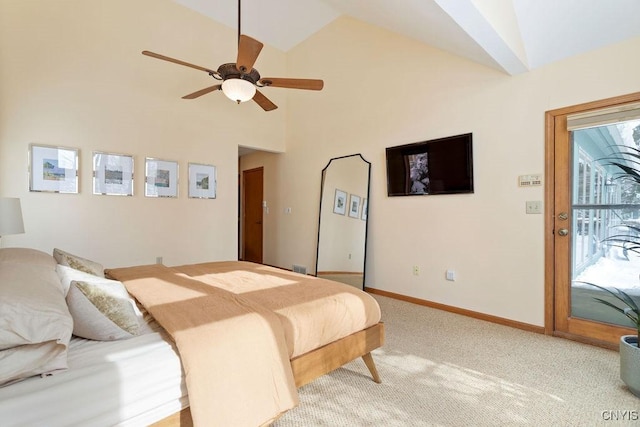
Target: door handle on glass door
x=563 y=232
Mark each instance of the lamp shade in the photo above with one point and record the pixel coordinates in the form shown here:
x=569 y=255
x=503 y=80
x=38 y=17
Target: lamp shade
x=10 y=216
x=238 y=90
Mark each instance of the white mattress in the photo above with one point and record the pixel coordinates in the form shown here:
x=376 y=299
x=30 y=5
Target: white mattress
x=131 y=382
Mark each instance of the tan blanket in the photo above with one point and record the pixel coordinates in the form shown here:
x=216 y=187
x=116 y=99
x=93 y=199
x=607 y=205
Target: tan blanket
x=233 y=350
x=313 y=311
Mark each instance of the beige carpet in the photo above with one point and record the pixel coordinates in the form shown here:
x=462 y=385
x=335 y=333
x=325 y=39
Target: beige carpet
x=443 y=369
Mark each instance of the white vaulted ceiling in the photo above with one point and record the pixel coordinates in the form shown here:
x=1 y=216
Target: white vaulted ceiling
x=513 y=36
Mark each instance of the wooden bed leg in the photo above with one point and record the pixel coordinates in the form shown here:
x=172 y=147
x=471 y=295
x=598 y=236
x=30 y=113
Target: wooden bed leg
x=368 y=360
x=311 y=365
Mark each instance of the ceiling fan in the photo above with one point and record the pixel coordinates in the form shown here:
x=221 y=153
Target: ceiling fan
x=240 y=80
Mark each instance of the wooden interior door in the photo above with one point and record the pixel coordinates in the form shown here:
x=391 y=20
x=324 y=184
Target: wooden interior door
x=559 y=320
x=252 y=196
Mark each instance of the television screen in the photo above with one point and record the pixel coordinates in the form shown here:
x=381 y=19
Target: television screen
x=438 y=166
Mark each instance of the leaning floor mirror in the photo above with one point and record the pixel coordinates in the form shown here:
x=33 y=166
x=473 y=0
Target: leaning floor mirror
x=342 y=230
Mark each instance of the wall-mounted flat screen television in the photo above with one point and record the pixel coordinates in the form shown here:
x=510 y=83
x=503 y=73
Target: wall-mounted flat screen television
x=437 y=166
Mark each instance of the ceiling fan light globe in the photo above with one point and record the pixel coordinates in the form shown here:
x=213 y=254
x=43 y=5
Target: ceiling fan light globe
x=238 y=90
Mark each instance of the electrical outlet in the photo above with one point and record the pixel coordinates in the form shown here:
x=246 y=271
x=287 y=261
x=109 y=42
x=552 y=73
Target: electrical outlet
x=158 y=260
x=451 y=275
x=416 y=270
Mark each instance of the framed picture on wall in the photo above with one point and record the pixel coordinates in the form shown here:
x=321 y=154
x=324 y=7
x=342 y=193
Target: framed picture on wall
x=202 y=181
x=365 y=206
x=340 y=202
x=354 y=206
x=53 y=169
x=112 y=174
x=161 y=178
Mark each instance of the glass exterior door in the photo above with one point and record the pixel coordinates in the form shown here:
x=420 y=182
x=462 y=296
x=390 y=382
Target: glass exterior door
x=592 y=211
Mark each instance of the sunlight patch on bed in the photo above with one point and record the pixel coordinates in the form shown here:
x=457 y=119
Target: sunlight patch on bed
x=246 y=281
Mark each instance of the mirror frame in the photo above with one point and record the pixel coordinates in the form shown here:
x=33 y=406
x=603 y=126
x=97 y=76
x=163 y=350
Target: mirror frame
x=366 y=227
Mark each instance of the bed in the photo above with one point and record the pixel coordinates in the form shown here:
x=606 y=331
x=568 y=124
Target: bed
x=309 y=327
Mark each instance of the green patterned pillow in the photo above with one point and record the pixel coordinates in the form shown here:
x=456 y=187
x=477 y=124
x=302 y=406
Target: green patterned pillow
x=78 y=263
x=102 y=310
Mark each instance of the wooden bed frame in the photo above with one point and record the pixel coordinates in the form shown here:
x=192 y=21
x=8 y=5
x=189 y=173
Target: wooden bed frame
x=316 y=363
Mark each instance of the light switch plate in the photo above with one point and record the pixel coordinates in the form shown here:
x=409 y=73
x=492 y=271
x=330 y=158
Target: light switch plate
x=534 y=207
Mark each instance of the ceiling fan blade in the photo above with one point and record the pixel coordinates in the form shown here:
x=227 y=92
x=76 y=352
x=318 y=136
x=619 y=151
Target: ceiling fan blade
x=248 y=51
x=175 y=61
x=308 y=84
x=264 y=102
x=202 y=92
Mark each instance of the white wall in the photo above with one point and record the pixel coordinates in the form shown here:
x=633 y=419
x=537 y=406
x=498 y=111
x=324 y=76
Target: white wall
x=383 y=90
x=72 y=74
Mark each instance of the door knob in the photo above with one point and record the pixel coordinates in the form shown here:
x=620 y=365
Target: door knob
x=563 y=232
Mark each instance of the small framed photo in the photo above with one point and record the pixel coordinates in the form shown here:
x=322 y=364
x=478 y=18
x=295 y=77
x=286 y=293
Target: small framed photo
x=354 y=206
x=161 y=178
x=365 y=206
x=202 y=181
x=340 y=202
x=53 y=169
x=112 y=174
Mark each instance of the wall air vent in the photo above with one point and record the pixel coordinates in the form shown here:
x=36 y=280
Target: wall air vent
x=299 y=269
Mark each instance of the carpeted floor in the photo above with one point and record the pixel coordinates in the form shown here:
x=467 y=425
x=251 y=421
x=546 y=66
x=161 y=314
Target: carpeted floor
x=443 y=369
x=352 y=279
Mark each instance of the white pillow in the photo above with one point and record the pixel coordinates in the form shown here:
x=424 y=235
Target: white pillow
x=68 y=274
x=78 y=263
x=35 y=324
x=102 y=309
